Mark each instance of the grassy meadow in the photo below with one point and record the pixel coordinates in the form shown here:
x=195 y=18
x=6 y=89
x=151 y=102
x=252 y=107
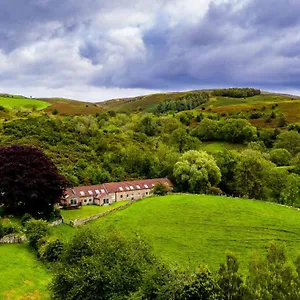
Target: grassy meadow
x=22 y=276
x=88 y=211
x=192 y=229
x=23 y=103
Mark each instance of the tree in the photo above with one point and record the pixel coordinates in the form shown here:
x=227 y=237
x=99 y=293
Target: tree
x=230 y=281
x=161 y=189
x=103 y=265
x=35 y=231
x=289 y=140
x=280 y=157
x=201 y=285
x=290 y=195
x=272 y=277
x=196 y=171
x=29 y=180
x=251 y=174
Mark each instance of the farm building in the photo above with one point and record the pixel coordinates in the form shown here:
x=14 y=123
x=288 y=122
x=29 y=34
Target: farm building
x=108 y=193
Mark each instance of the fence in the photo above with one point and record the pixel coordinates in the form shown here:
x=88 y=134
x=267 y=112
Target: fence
x=76 y=223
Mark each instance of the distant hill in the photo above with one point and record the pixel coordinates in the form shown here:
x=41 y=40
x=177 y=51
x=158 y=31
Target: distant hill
x=257 y=106
x=70 y=107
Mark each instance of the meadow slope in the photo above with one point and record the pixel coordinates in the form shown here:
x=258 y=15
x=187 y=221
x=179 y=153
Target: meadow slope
x=192 y=229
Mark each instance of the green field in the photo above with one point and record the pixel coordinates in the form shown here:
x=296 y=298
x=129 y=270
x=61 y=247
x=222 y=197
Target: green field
x=192 y=229
x=23 y=103
x=21 y=275
x=220 y=146
x=88 y=211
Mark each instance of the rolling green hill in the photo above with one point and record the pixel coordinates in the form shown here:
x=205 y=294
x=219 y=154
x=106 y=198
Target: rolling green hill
x=192 y=229
x=264 y=104
x=12 y=102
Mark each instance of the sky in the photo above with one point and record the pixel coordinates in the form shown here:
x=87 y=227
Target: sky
x=95 y=50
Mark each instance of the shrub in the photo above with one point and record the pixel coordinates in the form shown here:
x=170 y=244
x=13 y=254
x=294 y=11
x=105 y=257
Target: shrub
x=6 y=228
x=213 y=190
x=26 y=217
x=50 y=249
x=161 y=189
x=35 y=230
x=54 y=112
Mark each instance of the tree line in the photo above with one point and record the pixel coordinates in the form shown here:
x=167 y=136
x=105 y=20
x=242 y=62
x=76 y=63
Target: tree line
x=237 y=92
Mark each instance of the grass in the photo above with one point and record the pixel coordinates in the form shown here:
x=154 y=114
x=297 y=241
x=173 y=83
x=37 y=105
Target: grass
x=220 y=146
x=192 y=229
x=88 y=211
x=23 y=103
x=22 y=276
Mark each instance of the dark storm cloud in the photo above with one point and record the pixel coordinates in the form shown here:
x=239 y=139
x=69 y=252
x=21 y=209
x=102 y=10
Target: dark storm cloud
x=159 y=44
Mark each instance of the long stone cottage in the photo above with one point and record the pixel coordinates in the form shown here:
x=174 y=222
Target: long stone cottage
x=108 y=193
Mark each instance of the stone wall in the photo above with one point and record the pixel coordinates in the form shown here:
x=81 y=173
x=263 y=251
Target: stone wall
x=12 y=238
x=76 y=223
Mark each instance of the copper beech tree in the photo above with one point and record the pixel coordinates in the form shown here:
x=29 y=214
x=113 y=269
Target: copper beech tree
x=29 y=181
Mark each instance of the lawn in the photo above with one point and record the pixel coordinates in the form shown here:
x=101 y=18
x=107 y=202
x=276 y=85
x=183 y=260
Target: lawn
x=22 y=276
x=192 y=229
x=220 y=146
x=88 y=211
x=23 y=103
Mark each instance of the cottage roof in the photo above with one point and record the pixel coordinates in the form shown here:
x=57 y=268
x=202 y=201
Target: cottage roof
x=86 y=191
x=100 y=190
x=113 y=187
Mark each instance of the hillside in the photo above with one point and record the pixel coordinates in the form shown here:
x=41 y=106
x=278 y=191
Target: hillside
x=192 y=229
x=68 y=107
x=258 y=106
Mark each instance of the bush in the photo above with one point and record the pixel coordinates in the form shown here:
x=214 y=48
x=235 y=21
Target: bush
x=36 y=230
x=26 y=217
x=50 y=249
x=213 y=190
x=161 y=189
x=6 y=228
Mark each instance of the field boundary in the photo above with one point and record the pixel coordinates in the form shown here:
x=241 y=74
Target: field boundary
x=79 y=222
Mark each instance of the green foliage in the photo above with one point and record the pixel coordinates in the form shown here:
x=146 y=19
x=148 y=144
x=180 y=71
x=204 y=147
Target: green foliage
x=161 y=189
x=187 y=102
x=196 y=171
x=200 y=285
x=251 y=174
x=35 y=231
x=6 y=228
x=289 y=140
x=236 y=92
x=282 y=121
x=103 y=265
x=272 y=277
x=290 y=195
x=280 y=157
x=229 y=279
x=26 y=217
x=51 y=249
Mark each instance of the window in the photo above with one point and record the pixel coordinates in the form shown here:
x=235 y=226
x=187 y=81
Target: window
x=85 y=200
x=146 y=186
x=121 y=196
x=147 y=193
x=127 y=195
x=81 y=193
x=131 y=187
x=106 y=201
x=90 y=200
x=121 y=189
x=73 y=201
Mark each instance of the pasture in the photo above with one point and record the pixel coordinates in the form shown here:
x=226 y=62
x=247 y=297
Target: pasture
x=189 y=230
x=23 y=103
x=88 y=211
x=22 y=276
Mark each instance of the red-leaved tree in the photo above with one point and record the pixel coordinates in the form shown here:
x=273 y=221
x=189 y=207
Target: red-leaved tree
x=29 y=181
